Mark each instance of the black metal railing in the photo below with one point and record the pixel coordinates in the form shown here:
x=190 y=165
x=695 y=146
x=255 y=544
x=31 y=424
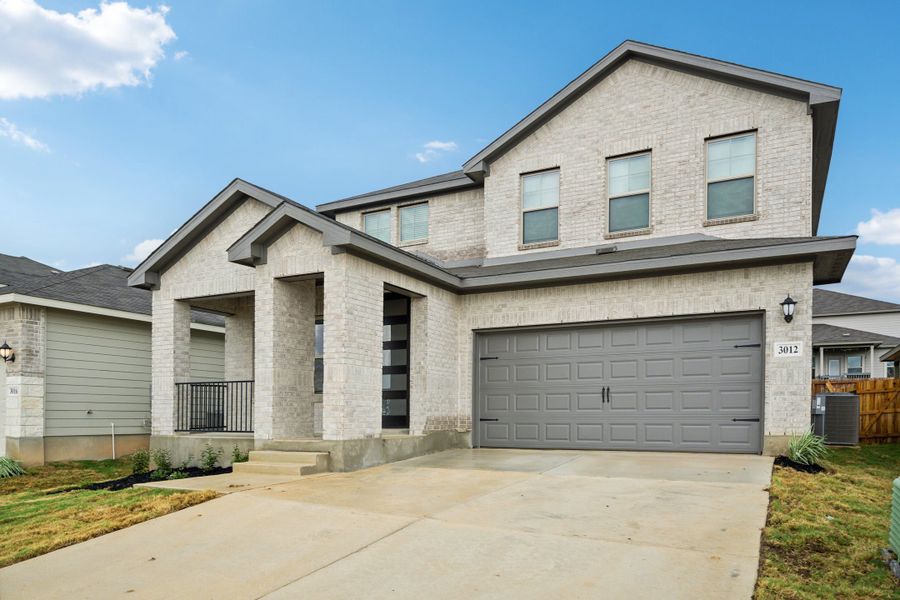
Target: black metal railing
x=225 y=406
x=846 y=376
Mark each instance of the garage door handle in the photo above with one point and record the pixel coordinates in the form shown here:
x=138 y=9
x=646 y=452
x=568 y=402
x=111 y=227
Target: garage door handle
x=756 y=420
x=488 y=419
x=489 y=358
x=747 y=345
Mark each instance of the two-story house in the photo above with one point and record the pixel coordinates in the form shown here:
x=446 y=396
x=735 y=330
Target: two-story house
x=610 y=273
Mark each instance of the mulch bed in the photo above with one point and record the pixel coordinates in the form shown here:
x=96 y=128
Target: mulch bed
x=126 y=482
x=784 y=461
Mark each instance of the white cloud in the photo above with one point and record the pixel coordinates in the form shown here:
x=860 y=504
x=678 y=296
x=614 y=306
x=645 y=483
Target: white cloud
x=873 y=277
x=181 y=54
x=9 y=130
x=45 y=53
x=435 y=149
x=142 y=251
x=882 y=228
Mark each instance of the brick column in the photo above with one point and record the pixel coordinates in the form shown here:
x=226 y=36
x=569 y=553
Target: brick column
x=285 y=359
x=171 y=352
x=418 y=366
x=354 y=307
x=25 y=328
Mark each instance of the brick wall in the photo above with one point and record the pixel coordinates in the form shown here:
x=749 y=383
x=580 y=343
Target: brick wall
x=24 y=327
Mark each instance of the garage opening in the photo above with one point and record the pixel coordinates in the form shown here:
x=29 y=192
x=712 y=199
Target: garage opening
x=693 y=385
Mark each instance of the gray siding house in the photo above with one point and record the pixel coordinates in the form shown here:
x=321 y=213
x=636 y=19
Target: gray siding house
x=81 y=365
x=850 y=335
x=610 y=273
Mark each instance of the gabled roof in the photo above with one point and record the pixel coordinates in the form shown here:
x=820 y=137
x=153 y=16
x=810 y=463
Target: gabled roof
x=827 y=302
x=146 y=274
x=823 y=101
x=17 y=270
x=445 y=183
x=102 y=286
x=832 y=335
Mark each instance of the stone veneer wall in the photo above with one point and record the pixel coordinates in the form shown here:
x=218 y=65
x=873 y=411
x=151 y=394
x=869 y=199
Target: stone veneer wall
x=24 y=327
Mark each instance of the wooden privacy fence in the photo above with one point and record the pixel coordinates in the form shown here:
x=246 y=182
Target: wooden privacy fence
x=879 y=405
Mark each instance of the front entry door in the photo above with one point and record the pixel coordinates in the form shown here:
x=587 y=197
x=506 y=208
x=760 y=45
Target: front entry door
x=395 y=365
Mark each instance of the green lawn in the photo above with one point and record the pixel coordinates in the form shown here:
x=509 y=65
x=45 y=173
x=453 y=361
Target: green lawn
x=33 y=520
x=825 y=532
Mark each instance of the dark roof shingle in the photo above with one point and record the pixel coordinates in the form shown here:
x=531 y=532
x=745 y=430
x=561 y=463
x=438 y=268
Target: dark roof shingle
x=827 y=302
x=832 y=334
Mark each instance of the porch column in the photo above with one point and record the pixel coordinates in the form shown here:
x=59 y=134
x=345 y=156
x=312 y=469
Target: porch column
x=171 y=359
x=285 y=359
x=354 y=308
x=821 y=371
x=872 y=362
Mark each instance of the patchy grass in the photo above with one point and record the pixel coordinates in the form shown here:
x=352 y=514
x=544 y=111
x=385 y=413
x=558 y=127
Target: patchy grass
x=35 y=520
x=825 y=532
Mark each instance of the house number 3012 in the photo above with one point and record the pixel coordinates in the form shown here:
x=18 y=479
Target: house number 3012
x=788 y=349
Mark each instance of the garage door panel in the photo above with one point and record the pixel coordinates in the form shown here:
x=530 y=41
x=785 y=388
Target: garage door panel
x=675 y=385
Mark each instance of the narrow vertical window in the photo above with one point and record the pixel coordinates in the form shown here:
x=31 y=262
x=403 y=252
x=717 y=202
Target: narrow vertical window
x=629 y=193
x=730 y=175
x=319 y=367
x=414 y=223
x=378 y=224
x=540 y=207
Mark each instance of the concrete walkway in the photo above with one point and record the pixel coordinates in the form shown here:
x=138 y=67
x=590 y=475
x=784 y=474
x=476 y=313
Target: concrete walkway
x=463 y=523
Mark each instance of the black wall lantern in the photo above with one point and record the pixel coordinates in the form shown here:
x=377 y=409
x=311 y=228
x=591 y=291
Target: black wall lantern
x=6 y=353
x=787 y=307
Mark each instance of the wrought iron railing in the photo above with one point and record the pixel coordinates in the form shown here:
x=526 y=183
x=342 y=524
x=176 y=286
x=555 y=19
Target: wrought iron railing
x=846 y=376
x=224 y=406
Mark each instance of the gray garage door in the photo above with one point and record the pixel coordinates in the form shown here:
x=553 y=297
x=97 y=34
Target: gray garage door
x=692 y=385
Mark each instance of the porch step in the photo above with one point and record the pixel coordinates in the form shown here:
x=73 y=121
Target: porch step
x=273 y=462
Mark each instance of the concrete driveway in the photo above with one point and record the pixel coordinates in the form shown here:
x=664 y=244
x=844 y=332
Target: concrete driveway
x=463 y=523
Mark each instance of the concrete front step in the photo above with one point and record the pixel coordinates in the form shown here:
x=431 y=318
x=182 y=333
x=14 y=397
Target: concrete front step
x=274 y=462
x=275 y=468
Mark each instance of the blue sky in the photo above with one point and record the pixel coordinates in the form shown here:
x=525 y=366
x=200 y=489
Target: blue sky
x=320 y=100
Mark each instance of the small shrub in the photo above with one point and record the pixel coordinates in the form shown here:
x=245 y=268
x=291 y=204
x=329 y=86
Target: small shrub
x=807 y=449
x=10 y=468
x=186 y=463
x=209 y=458
x=177 y=475
x=237 y=456
x=163 y=461
x=140 y=462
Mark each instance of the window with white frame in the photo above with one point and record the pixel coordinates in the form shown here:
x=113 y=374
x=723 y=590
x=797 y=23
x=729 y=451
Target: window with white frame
x=414 y=223
x=854 y=364
x=890 y=371
x=629 y=193
x=730 y=176
x=378 y=224
x=540 y=207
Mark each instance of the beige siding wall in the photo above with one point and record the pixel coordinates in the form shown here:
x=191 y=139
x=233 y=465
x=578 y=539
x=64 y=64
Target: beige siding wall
x=455 y=225
x=207 y=356
x=98 y=372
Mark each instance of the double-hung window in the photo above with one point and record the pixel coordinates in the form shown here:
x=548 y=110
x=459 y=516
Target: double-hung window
x=540 y=207
x=378 y=224
x=730 y=176
x=854 y=364
x=414 y=223
x=629 y=193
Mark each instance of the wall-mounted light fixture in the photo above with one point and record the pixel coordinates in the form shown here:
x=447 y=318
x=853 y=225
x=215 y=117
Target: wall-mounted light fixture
x=6 y=353
x=787 y=307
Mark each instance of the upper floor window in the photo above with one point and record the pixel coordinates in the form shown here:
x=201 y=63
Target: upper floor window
x=629 y=193
x=540 y=207
x=730 y=174
x=414 y=223
x=378 y=224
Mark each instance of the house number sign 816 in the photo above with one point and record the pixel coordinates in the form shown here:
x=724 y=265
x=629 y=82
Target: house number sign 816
x=788 y=349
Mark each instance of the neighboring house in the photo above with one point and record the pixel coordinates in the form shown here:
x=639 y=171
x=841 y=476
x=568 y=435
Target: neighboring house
x=608 y=274
x=81 y=344
x=850 y=333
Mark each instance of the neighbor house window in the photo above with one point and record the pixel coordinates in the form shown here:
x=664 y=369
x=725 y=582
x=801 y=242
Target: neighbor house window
x=890 y=371
x=855 y=364
x=629 y=193
x=834 y=367
x=540 y=207
x=378 y=224
x=319 y=368
x=730 y=170
x=414 y=223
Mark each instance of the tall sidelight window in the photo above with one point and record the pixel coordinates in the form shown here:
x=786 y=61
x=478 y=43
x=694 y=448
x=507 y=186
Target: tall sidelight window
x=378 y=224
x=395 y=362
x=629 y=193
x=540 y=207
x=730 y=176
x=414 y=223
x=319 y=372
